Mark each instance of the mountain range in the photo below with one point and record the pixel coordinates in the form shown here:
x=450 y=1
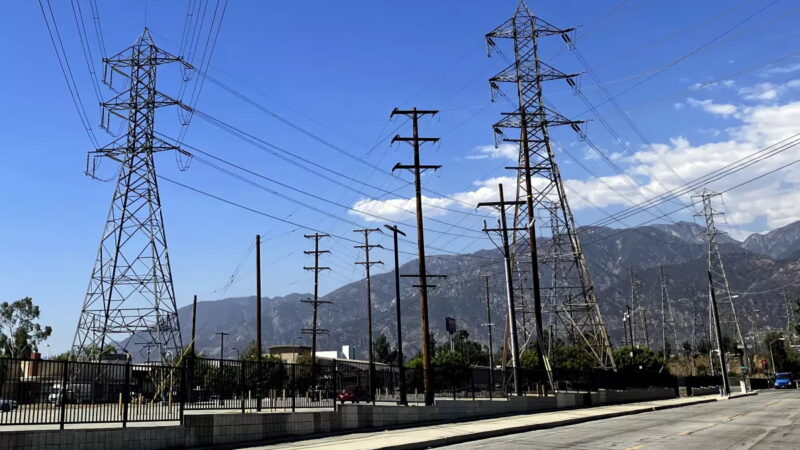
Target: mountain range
x=758 y=269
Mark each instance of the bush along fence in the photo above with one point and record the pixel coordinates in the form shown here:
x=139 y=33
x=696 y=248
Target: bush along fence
x=34 y=391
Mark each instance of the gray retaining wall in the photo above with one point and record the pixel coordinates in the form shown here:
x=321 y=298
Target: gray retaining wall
x=203 y=430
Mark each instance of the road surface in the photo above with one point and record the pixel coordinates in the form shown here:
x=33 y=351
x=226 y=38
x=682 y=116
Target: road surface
x=770 y=420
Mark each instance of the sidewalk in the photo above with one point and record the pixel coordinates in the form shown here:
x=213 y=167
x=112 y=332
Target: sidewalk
x=436 y=435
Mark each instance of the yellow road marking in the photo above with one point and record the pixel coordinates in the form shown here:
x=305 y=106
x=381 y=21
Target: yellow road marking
x=684 y=433
x=635 y=448
x=770 y=404
x=736 y=416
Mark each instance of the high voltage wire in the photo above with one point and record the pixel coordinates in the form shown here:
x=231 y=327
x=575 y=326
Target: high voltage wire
x=272 y=216
x=736 y=186
x=628 y=179
x=204 y=61
x=319 y=139
x=292 y=157
x=98 y=28
x=709 y=177
x=304 y=192
x=83 y=36
x=688 y=55
x=66 y=70
x=617 y=233
x=326 y=200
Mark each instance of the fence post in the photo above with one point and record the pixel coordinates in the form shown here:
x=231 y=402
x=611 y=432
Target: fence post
x=63 y=395
x=241 y=382
x=182 y=396
x=453 y=383
x=126 y=394
x=293 y=389
x=472 y=382
x=335 y=376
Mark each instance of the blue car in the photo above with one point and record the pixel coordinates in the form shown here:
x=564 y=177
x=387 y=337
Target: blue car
x=783 y=380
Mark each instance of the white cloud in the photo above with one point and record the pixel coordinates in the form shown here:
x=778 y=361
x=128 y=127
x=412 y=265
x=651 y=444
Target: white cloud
x=774 y=198
x=720 y=109
x=788 y=68
x=399 y=209
x=767 y=91
x=503 y=151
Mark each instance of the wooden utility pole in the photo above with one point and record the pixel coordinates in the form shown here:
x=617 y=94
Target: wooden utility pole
x=258 y=297
x=489 y=326
x=258 y=320
x=401 y=370
x=367 y=263
x=630 y=324
x=417 y=168
x=194 y=324
x=315 y=301
x=511 y=314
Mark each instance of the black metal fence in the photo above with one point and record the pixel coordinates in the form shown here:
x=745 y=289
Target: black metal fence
x=72 y=392
x=66 y=392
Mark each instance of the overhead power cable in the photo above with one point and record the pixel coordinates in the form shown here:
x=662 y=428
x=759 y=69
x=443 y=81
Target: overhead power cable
x=688 y=55
x=298 y=190
x=318 y=138
x=66 y=70
x=731 y=188
x=290 y=222
x=714 y=175
x=295 y=159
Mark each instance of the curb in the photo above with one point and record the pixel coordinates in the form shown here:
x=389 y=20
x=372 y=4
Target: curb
x=747 y=394
x=450 y=440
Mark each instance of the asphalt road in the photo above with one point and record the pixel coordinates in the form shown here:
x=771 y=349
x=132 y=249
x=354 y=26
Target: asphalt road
x=770 y=420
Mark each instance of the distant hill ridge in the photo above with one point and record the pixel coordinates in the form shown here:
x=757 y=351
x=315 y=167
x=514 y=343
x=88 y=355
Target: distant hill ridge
x=763 y=262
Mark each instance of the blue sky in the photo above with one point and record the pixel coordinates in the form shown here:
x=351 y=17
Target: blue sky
x=703 y=82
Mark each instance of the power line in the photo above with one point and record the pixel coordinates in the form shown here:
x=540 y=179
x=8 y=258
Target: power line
x=298 y=190
x=66 y=70
x=279 y=219
x=736 y=166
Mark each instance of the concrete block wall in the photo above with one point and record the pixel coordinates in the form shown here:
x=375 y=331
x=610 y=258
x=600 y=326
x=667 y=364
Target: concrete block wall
x=605 y=397
x=205 y=430
x=139 y=438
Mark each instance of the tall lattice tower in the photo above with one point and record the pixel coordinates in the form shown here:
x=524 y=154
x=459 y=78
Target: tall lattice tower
x=718 y=281
x=571 y=295
x=130 y=302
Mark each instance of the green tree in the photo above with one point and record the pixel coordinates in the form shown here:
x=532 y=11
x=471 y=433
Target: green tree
x=572 y=357
x=797 y=316
x=633 y=359
x=529 y=359
x=786 y=358
x=383 y=351
x=20 y=331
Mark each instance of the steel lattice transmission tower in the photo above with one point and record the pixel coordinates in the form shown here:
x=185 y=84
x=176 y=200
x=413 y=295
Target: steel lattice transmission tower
x=718 y=280
x=130 y=292
x=539 y=184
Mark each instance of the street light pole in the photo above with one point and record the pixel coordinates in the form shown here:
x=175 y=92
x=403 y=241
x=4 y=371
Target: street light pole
x=221 y=346
x=771 y=356
x=238 y=354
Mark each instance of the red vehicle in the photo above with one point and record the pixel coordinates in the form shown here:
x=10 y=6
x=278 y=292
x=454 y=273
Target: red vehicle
x=354 y=395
